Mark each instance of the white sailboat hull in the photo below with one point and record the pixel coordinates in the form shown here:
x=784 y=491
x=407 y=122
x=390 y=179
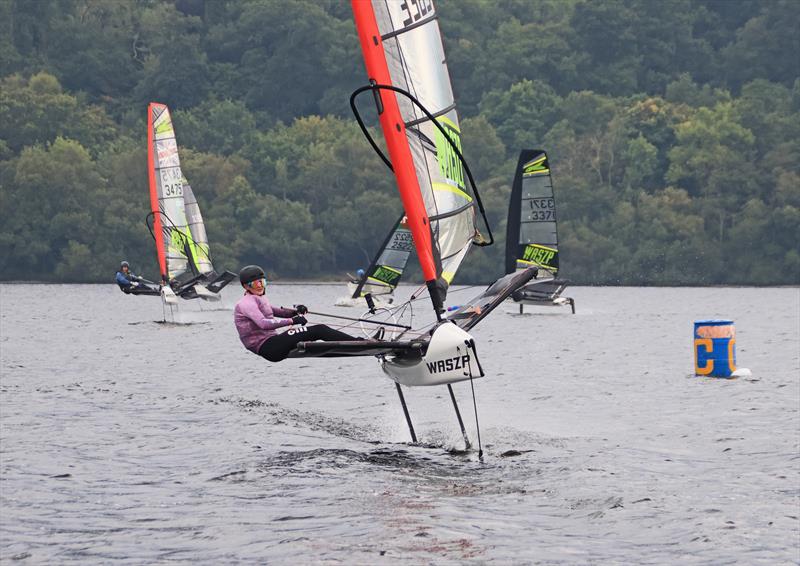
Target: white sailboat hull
x=544 y=293
x=449 y=358
x=361 y=302
x=558 y=302
x=168 y=295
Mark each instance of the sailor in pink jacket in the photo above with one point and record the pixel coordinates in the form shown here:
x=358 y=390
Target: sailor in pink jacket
x=258 y=322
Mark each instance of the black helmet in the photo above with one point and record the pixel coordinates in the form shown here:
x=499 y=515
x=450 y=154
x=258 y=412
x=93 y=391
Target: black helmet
x=250 y=273
x=124 y=264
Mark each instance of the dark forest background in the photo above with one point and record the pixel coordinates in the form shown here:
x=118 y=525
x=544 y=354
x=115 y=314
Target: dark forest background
x=673 y=129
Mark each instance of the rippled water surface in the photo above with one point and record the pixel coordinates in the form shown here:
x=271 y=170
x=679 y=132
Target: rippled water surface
x=123 y=439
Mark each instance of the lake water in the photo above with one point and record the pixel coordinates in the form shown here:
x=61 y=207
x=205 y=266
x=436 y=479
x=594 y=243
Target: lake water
x=126 y=440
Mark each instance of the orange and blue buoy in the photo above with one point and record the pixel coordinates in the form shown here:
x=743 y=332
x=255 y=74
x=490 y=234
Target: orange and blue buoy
x=714 y=348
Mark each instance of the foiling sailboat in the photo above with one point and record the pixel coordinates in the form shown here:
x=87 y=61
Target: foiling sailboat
x=175 y=220
x=532 y=233
x=376 y=285
x=410 y=86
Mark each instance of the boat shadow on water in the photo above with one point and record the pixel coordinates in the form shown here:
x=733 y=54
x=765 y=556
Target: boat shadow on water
x=432 y=458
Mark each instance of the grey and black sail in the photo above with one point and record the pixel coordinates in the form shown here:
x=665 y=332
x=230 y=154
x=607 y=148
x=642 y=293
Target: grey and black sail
x=532 y=235
x=384 y=273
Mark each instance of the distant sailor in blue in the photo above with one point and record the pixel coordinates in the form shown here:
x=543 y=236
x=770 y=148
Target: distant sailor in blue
x=132 y=284
x=126 y=280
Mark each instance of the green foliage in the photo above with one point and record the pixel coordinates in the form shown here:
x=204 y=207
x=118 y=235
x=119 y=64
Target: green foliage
x=483 y=149
x=673 y=130
x=767 y=45
x=264 y=229
x=685 y=90
x=36 y=111
x=223 y=127
x=712 y=153
x=523 y=113
x=295 y=58
x=50 y=207
x=640 y=158
x=90 y=49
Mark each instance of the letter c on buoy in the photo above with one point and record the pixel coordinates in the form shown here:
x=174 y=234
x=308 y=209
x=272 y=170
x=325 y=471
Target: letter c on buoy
x=708 y=345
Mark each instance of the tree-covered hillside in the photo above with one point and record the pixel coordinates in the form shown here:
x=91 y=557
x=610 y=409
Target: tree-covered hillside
x=673 y=129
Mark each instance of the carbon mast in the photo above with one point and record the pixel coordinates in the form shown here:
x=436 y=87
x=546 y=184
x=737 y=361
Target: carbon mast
x=152 y=111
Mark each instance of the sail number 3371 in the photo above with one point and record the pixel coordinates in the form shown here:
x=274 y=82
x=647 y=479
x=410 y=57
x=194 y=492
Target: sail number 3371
x=542 y=209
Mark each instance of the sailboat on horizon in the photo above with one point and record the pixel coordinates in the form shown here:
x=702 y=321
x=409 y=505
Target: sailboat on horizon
x=532 y=233
x=175 y=221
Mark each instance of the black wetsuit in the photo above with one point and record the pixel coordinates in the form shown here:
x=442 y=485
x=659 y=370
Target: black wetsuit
x=278 y=347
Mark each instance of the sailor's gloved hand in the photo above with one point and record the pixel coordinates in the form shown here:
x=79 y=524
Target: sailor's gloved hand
x=300 y=309
x=134 y=284
x=299 y=320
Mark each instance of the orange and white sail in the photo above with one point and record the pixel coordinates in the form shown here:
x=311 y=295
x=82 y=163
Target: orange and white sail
x=402 y=48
